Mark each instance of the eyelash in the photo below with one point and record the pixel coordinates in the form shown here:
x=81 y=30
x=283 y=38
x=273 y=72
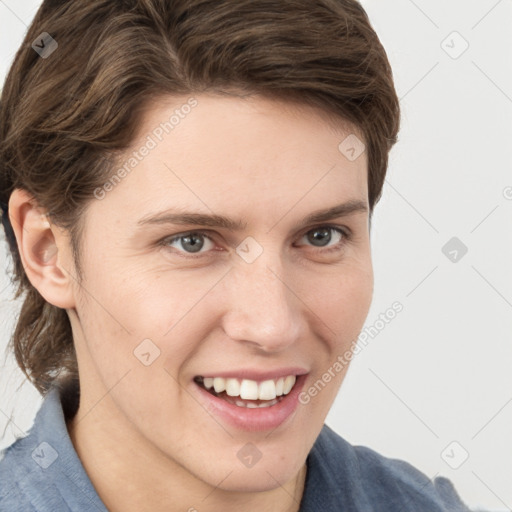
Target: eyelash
x=346 y=234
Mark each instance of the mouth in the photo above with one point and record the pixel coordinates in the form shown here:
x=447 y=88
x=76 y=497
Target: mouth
x=251 y=400
x=247 y=393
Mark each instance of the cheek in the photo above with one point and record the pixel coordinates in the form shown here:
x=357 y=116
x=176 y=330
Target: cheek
x=342 y=306
x=139 y=311
x=130 y=300
x=342 y=300
x=356 y=295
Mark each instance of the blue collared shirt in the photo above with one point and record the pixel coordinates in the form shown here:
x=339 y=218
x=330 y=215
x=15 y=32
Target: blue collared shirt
x=42 y=473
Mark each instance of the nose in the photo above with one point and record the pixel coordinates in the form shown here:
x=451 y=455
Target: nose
x=262 y=308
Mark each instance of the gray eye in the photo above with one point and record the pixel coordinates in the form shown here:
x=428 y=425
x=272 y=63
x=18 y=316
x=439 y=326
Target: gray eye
x=190 y=242
x=320 y=235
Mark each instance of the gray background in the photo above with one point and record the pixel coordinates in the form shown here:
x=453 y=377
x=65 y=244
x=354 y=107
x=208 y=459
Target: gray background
x=434 y=386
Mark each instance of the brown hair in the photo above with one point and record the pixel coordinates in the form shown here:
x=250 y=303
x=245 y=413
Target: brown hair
x=62 y=117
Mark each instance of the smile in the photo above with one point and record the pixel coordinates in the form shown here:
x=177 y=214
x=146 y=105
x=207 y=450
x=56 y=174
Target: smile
x=246 y=392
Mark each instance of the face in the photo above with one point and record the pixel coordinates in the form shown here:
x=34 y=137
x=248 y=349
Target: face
x=263 y=303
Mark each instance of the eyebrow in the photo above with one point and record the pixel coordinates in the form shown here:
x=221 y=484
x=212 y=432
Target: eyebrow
x=219 y=221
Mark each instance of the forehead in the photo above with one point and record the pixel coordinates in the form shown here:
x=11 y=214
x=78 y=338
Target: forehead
x=219 y=153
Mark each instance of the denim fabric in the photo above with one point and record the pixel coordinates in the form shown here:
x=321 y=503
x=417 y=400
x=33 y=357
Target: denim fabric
x=347 y=478
x=42 y=473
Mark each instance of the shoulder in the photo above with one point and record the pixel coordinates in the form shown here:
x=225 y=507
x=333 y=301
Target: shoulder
x=15 y=473
x=35 y=467
x=402 y=482
x=362 y=479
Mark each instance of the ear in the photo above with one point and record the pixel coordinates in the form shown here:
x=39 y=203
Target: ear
x=44 y=250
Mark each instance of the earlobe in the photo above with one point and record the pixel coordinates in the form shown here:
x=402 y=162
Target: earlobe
x=44 y=250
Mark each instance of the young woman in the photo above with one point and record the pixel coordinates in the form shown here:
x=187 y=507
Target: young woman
x=187 y=190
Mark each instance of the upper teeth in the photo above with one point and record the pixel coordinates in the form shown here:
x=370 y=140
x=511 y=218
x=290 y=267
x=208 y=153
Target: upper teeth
x=250 y=389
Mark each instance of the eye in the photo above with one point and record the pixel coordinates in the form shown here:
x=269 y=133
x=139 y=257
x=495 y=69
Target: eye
x=191 y=242
x=321 y=237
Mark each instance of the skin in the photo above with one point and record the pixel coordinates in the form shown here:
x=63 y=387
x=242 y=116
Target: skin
x=144 y=440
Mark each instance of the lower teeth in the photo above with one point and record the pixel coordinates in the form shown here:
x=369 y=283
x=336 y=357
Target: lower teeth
x=252 y=405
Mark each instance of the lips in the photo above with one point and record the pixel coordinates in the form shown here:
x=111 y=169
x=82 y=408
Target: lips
x=251 y=414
